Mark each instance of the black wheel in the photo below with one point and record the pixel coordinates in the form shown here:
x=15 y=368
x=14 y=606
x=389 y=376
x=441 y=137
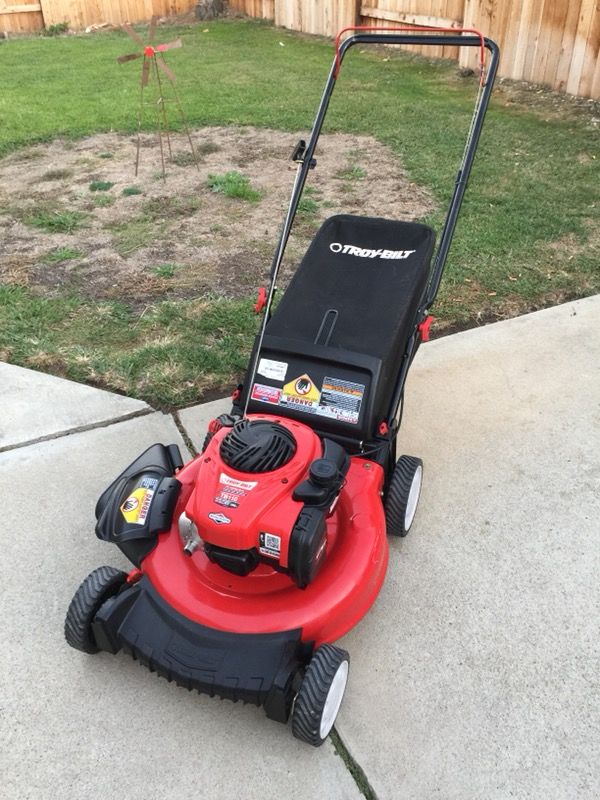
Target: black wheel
x=403 y=495
x=99 y=585
x=320 y=696
x=206 y=442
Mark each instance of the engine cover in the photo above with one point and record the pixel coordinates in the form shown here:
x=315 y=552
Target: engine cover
x=249 y=517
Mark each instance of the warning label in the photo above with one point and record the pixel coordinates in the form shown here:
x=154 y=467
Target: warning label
x=301 y=394
x=341 y=399
x=136 y=507
x=338 y=399
x=301 y=388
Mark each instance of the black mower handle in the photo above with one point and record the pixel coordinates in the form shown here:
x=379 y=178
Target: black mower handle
x=306 y=159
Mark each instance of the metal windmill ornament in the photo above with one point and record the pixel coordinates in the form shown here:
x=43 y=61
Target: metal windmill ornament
x=154 y=65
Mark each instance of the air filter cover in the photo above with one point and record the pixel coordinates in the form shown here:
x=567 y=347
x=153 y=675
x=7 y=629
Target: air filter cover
x=257 y=446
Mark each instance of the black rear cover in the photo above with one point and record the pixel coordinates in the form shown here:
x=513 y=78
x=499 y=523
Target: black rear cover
x=375 y=296
x=334 y=345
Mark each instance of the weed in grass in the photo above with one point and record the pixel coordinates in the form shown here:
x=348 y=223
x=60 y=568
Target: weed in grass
x=105 y=155
x=29 y=154
x=165 y=270
x=56 y=221
x=169 y=207
x=101 y=186
x=130 y=191
x=234 y=184
x=56 y=175
x=61 y=254
x=103 y=201
x=55 y=30
x=132 y=235
x=351 y=173
x=308 y=207
x=183 y=159
x=206 y=148
x=354 y=154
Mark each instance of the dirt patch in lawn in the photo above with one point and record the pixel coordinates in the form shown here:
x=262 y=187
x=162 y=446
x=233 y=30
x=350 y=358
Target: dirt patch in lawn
x=75 y=220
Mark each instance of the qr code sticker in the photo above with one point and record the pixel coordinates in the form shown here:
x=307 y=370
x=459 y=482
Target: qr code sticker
x=270 y=545
x=272 y=542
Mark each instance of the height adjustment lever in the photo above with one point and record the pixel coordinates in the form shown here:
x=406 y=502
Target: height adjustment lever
x=298 y=154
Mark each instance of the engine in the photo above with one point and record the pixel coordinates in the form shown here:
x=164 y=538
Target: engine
x=262 y=494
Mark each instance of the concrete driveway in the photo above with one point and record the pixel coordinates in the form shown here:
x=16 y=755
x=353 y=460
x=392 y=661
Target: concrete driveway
x=474 y=676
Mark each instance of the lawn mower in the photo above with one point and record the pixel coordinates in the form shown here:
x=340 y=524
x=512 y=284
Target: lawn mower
x=252 y=559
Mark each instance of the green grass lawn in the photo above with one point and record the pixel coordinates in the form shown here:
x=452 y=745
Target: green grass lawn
x=527 y=236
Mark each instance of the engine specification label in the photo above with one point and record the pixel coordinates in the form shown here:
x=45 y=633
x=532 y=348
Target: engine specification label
x=338 y=399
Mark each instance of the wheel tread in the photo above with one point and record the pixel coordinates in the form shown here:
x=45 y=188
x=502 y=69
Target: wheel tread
x=313 y=692
x=397 y=494
x=99 y=585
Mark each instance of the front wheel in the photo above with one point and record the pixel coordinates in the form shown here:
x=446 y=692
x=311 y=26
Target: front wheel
x=95 y=590
x=403 y=495
x=320 y=695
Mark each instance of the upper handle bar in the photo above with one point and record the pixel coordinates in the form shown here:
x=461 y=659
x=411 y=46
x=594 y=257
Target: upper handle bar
x=426 y=36
x=409 y=30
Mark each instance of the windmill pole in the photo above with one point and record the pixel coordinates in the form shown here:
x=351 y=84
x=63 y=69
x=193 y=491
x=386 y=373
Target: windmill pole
x=186 y=127
x=160 y=141
x=140 y=117
x=161 y=101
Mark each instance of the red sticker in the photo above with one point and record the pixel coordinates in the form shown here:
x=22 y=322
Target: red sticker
x=266 y=394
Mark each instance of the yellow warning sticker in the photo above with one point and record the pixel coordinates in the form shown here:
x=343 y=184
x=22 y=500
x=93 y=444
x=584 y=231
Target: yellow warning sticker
x=135 y=508
x=302 y=387
x=301 y=393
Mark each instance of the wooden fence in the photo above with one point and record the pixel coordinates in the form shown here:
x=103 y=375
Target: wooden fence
x=23 y=17
x=553 y=42
x=32 y=15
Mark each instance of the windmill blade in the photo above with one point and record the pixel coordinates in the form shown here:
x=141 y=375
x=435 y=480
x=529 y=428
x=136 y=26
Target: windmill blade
x=132 y=34
x=168 y=72
x=129 y=57
x=152 y=29
x=145 y=71
x=161 y=48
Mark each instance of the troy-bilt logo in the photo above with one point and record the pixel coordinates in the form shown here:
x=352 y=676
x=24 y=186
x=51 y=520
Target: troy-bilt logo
x=365 y=252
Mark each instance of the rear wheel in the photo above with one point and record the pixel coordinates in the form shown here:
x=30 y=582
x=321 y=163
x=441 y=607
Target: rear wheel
x=403 y=495
x=99 y=585
x=320 y=695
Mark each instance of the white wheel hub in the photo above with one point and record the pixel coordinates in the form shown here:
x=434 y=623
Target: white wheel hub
x=413 y=498
x=333 y=700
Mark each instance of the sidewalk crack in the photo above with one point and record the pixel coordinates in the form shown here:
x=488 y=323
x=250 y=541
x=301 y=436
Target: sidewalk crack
x=143 y=412
x=354 y=768
x=184 y=434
